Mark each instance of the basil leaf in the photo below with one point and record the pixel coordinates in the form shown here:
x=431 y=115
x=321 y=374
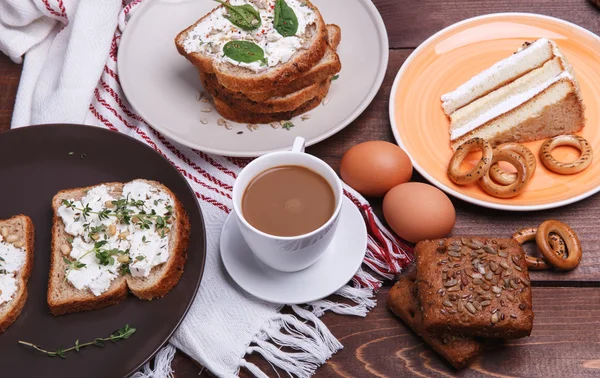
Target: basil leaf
x=285 y=21
x=244 y=51
x=244 y=16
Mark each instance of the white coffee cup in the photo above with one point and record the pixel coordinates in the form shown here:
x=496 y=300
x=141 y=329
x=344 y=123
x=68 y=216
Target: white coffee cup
x=293 y=253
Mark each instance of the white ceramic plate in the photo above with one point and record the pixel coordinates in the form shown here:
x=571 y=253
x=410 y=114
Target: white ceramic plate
x=162 y=85
x=333 y=270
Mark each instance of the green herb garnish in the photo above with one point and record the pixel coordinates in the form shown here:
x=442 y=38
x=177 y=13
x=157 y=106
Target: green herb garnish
x=335 y=77
x=285 y=22
x=244 y=16
x=104 y=256
x=123 y=214
x=287 y=125
x=118 y=335
x=244 y=51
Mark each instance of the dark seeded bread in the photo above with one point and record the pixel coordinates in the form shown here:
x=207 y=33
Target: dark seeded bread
x=474 y=286
x=403 y=301
x=328 y=66
x=64 y=298
x=242 y=79
x=22 y=227
x=249 y=117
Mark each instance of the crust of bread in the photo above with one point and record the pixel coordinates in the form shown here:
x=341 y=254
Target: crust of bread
x=61 y=303
x=270 y=79
x=272 y=105
x=249 y=117
x=173 y=268
x=14 y=307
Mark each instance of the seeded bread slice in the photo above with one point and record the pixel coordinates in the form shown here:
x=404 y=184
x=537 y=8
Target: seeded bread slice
x=22 y=227
x=403 y=301
x=64 y=298
x=232 y=114
x=242 y=79
x=328 y=66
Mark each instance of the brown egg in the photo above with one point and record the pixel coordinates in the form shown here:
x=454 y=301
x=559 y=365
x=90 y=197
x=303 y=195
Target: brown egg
x=373 y=168
x=417 y=211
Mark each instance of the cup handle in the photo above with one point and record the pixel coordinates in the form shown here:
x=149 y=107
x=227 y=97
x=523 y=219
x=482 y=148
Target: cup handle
x=299 y=145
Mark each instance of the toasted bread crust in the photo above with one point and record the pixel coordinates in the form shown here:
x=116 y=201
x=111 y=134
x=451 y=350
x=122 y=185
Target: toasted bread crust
x=17 y=306
x=118 y=290
x=18 y=302
x=272 y=105
x=266 y=81
x=176 y=263
x=105 y=300
x=248 y=117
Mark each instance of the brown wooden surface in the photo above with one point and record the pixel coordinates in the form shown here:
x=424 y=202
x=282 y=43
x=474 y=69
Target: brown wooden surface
x=566 y=337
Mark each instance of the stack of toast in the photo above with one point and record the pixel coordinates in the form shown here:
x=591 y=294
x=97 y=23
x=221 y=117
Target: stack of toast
x=292 y=78
x=463 y=291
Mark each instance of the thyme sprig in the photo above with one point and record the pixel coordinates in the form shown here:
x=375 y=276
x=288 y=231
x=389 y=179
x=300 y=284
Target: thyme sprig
x=104 y=256
x=118 y=335
x=123 y=214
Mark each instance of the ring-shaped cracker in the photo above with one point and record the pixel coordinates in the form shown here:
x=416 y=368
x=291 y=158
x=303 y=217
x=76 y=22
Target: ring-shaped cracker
x=482 y=166
x=522 y=237
x=506 y=178
x=507 y=191
x=584 y=160
x=570 y=238
x=536 y=263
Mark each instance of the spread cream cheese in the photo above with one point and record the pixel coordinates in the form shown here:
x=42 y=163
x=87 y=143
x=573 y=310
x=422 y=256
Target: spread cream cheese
x=212 y=33
x=12 y=260
x=146 y=247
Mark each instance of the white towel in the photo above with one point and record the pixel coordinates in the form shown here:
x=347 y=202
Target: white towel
x=70 y=76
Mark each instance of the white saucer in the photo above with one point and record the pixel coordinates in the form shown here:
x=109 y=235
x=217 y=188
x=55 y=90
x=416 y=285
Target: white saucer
x=333 y=270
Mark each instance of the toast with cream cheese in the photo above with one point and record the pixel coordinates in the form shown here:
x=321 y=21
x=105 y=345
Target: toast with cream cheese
x=16 y=261
x=285 y=98
x=258 y=45
x=110 y=238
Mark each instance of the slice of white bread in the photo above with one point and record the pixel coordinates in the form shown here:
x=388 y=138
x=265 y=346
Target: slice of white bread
x=238 y=78
x=20 y=228
x=285 y=98
x=64 y=298
x=253 y=118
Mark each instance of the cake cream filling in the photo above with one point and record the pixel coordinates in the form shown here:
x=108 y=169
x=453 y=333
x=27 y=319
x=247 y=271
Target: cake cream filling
x=514 y=66
x=509 y=104
x=212 y=33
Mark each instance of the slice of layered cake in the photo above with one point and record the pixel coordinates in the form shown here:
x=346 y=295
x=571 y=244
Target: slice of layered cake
x=528 y=96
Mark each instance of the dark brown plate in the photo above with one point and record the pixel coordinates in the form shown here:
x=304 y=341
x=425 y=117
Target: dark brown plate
x=35 y=163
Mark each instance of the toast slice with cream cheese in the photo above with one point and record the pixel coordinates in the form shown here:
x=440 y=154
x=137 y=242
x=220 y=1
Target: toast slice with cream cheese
x=112 y=238
x=17 y=236
x=288 y=97
x=258 y=45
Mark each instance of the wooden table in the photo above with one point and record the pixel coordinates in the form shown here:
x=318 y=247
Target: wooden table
x=566 y=336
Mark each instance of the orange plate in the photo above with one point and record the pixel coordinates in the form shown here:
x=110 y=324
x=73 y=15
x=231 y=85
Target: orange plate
x=455 y=54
